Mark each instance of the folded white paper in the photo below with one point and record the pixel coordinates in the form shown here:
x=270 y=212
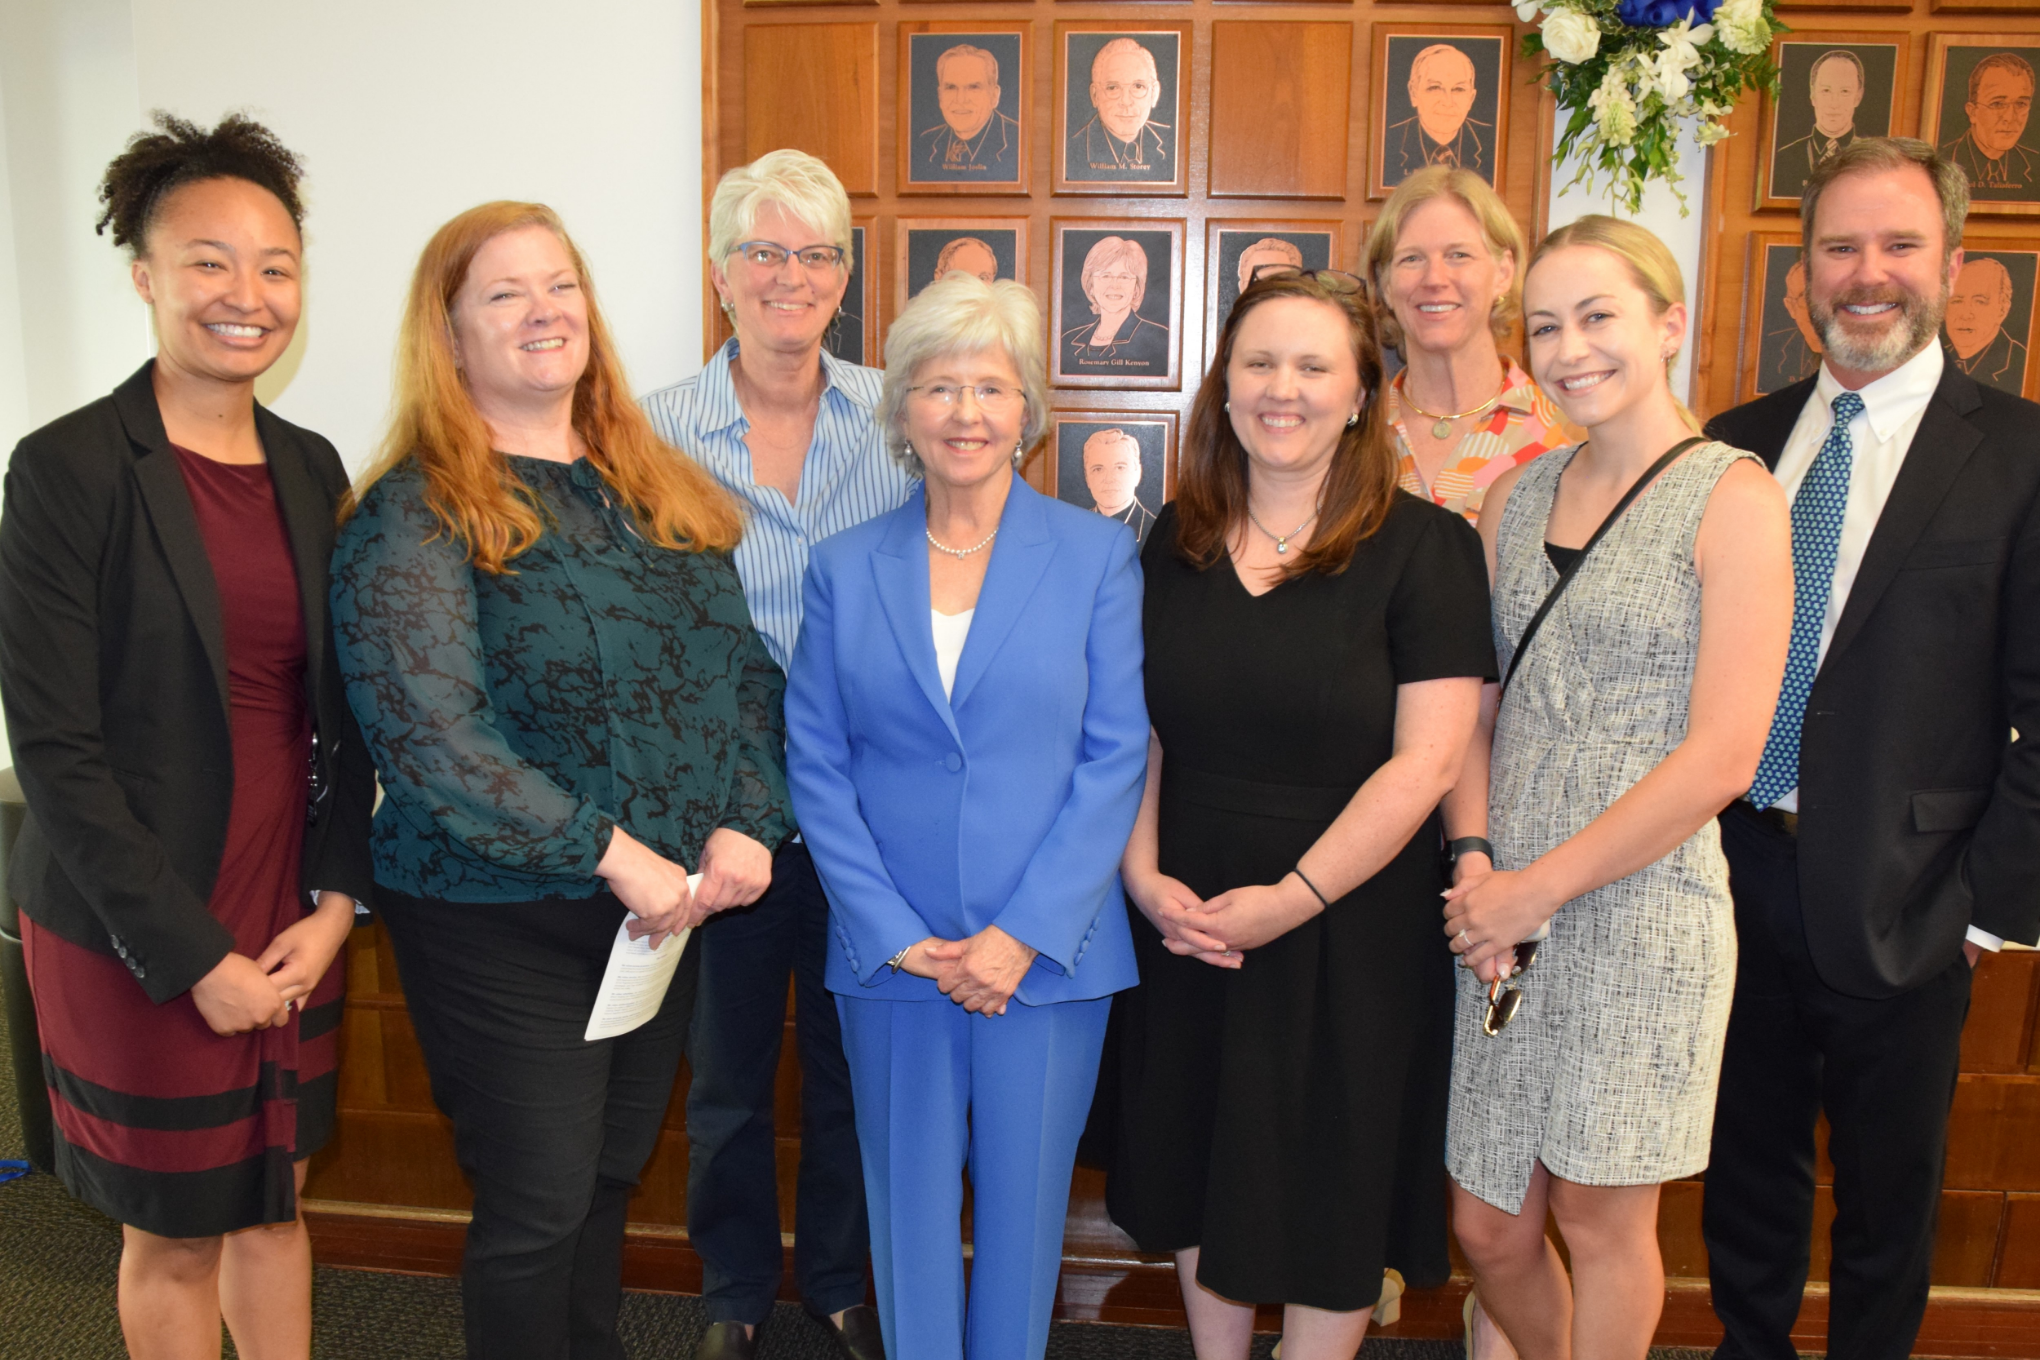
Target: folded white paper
x=635 y=982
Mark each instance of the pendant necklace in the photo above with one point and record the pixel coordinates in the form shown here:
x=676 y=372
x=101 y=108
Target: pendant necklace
x=1281 y=540
x=940 y=546
x=1443 y=427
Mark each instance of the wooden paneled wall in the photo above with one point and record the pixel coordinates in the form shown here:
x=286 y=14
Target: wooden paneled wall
x=1277 y=112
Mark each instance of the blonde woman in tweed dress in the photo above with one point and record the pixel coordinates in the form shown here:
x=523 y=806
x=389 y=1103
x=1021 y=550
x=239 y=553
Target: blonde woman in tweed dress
x=1636 y=713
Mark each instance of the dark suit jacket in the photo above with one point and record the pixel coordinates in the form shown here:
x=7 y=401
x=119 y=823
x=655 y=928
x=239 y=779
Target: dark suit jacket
x=113 y=675
x=1918 y=816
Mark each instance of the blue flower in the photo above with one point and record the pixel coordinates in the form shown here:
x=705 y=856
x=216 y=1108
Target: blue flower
x=1664 y=13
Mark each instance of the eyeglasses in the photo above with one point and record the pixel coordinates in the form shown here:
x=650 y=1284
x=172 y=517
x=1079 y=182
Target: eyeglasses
x=988 y=397
x=1333 y=280
x=1505 y=995
x=1136 y=89
x=764 y=255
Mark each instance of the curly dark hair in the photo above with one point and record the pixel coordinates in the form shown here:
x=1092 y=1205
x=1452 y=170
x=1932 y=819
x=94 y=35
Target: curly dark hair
x=183 y=153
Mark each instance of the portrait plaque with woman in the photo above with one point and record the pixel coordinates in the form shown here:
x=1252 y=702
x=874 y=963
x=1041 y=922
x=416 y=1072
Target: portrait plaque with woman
x=549 y=649
x=1117 y=298
x=1276 y=1100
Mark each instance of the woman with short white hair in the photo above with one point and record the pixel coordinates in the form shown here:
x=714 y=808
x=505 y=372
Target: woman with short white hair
x=968 y=742
x=787 y=428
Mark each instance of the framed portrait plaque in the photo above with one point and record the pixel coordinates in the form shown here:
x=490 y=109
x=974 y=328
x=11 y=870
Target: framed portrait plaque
x=1120 y=463
x=1234 y=246
x=965 y=101
x=1832 y=89
x=1117 y=303
x=1119 y=108
x=1989 y=327
x=927 y=248
x=1978 y=113
x=1438 y=99
x=853 y=335
x=1779 y=344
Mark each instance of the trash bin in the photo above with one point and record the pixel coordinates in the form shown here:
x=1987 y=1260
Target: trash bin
x=21 y=1032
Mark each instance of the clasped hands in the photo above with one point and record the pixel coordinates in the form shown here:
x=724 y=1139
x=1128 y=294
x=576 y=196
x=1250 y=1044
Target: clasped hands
x=242 y=994
x=1219 y=930
x=735 y=872
x=980 y=973
x=1488 y=911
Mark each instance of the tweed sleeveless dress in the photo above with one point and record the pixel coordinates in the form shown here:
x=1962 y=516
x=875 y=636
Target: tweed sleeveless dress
x=1607 y=1073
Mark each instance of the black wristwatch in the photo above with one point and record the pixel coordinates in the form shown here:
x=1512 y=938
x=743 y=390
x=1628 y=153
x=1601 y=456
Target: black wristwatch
x=1463 y=844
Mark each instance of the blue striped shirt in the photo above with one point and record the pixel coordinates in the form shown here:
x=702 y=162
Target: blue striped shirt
x=848 y=478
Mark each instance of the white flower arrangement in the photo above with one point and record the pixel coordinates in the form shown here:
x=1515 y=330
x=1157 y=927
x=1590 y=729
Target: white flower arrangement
x=1629 y=73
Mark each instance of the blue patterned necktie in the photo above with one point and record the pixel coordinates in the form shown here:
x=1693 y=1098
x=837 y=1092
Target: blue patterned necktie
x=1816 y=535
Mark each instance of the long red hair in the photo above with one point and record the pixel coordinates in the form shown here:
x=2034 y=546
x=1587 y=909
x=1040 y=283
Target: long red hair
x=468 y=483
x=1211 y=478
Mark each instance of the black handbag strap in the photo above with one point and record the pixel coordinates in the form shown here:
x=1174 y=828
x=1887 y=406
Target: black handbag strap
x=1573 y=568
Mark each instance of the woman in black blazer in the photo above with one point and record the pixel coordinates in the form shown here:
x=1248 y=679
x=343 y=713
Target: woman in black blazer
x=197 y=838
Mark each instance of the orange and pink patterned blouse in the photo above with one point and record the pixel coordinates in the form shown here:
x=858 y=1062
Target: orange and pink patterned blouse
x=1523 y=424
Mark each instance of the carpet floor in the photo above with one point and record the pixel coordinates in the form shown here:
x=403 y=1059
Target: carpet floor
x=58 y=1261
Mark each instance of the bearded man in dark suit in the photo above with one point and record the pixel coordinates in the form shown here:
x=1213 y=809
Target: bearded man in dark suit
x=1893 y=831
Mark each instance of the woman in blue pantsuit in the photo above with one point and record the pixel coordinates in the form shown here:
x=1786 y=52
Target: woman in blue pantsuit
x=967 y=743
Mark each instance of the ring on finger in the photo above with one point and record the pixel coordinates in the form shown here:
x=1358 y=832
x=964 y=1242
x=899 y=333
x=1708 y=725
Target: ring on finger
x=1465 y=939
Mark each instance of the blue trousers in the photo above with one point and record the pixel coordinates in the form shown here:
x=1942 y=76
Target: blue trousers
x=732 y=1176
x=940 y=1090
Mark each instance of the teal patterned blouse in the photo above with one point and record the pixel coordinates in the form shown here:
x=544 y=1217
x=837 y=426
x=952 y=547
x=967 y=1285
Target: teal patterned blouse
x=516 y=719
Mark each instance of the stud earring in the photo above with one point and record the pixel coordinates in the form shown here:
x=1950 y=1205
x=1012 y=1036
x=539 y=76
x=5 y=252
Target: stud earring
x=1228 y=406
x=1352 y=420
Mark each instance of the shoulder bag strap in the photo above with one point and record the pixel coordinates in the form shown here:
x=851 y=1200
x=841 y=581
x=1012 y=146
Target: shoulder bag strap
x=1565 y=577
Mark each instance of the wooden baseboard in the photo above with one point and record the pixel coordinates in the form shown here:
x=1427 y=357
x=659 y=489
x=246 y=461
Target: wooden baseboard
x=1969 y=1324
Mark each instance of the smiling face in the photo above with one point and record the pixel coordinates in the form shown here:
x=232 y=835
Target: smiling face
x=1442 y=90
x=220 y=270
x=1443 y=279
x=1595 y=340
x=1292 y=381
x=962 y=445
x=1998 y=113
x=1876 y=278
x=1112 y=469
x=1124 y=87
x=1837 y=90
x=1978 y=306
x=1112 y=280
x=968 y=90
x=787 y=309
x=520 y=322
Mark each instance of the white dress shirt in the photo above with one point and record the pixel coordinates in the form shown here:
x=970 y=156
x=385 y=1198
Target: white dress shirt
x=1879 y=436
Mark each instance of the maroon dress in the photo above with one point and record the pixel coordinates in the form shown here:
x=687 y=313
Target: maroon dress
x=160 y=1122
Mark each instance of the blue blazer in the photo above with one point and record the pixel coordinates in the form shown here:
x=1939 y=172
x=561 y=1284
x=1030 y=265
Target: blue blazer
x=1007 y=804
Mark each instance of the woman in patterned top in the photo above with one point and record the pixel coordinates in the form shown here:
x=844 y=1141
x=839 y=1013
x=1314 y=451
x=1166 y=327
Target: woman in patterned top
x=1444 y=258
x=548 y=649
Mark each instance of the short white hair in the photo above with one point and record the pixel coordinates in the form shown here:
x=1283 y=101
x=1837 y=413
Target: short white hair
x=962 y=314
x=799 y=183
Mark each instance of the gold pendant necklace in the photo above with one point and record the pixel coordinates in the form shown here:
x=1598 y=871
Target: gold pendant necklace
x=1443 y=427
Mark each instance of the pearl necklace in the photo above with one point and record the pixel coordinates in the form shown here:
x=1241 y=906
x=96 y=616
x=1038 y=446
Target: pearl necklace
x=940 y=546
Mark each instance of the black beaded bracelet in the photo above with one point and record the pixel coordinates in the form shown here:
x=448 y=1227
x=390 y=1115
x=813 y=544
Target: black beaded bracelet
x=1298 y=871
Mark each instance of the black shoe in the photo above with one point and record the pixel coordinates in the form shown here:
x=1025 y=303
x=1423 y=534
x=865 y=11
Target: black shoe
x=726 y=1341
x=858 y=1338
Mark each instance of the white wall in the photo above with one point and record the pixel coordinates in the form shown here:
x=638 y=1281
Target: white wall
x=405 y=112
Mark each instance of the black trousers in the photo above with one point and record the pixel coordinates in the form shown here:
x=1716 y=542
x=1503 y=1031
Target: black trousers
x=732 y=1174
x=1884 y=1073
x=552 y=1130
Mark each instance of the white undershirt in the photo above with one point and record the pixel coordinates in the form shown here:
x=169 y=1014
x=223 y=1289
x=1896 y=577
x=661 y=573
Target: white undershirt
x=950 y=632
x=1879 y=436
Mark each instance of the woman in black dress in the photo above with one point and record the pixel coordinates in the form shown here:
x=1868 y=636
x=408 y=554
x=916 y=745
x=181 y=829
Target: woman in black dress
x=198 y=797
x=1316 y=643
